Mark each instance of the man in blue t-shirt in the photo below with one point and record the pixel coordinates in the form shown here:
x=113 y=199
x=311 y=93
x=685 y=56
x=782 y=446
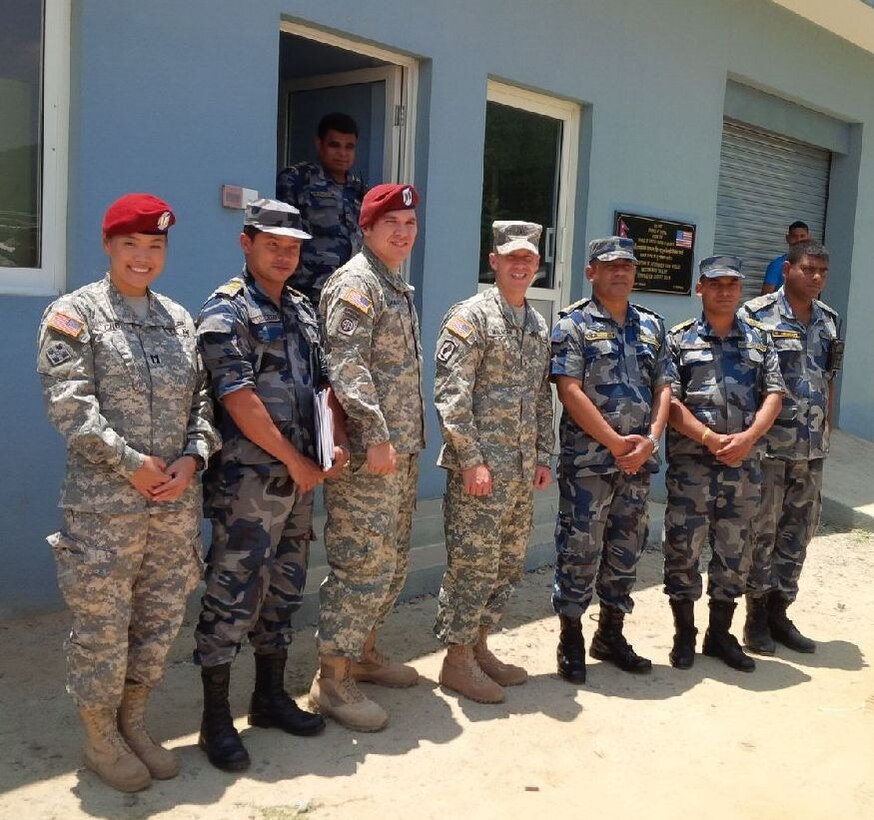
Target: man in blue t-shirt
x=798 y=232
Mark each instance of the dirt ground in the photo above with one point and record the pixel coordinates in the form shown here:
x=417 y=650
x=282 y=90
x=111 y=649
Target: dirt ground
x=793 y=740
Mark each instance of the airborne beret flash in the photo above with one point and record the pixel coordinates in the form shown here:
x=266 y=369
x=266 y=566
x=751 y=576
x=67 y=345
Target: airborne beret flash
x=387 y=197
x=137 y=213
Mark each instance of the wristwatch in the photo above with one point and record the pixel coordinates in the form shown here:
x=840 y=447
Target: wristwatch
x=655 y=443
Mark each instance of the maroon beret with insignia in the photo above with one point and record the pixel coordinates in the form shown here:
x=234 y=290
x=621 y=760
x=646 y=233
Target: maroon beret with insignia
x=386 y=197
x=137 y=213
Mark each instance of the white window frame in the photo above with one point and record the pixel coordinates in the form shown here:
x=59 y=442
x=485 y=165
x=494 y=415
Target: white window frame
x=48 y=279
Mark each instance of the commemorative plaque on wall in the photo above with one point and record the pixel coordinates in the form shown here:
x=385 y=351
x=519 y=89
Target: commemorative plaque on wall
x=665 y=250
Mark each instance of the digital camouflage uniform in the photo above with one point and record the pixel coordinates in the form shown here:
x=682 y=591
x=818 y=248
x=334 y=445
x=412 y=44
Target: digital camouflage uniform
x=375 y=364
x=262 y=524
x=797 y=444
x=120 y=388
x=723 y=382
x=329 y=212
x=602 y=516
x=494 y=401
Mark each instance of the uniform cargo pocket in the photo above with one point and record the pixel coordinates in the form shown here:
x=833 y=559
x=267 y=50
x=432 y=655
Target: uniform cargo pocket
x=79 y=565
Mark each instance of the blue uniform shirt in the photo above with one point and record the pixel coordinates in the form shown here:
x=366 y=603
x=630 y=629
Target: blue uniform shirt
x=774 y=272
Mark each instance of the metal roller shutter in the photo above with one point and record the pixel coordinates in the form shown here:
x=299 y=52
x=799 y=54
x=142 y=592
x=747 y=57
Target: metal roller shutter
x=766 y=182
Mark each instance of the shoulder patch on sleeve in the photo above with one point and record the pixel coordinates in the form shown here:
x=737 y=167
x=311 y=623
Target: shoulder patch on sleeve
x=357 y=299
x=681 y=325
x=58 y=353
x=66 y=324
x=231 y=288
x=444 y=354
x=460 y=327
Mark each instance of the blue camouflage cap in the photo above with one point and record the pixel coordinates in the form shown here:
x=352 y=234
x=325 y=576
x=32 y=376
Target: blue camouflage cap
x=611 y=247
x=272 y=216
x=715 y=266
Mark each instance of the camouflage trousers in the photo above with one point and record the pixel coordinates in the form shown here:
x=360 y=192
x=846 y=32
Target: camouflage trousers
x=367 y=542
x=486 y=539
x=125 y=579
x=257 y=563
x=785 y=524
x=600 y=531
x=709 y=503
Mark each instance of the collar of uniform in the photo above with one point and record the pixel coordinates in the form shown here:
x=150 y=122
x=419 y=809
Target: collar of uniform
x=529 y=325
x=595 y=308
x=816 y=313
x=706 y=331
x=124 y=310
x=258 y=292
x=391 y=277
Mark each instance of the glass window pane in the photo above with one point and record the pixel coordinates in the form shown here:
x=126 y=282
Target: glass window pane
x=21 y=38
x=520 y=180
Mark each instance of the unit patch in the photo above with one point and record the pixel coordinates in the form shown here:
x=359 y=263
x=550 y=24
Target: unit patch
x=66 y=324
x=58 y=353
x=444 y=354
x=459 y=327
x=357 y=299
x=348 y=322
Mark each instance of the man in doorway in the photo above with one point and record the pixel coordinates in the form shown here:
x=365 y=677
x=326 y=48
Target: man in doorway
x=805 y=335
x=328 y=195
x=375 y=366
x=726 y=395
x=494 y=402
x=798 y=232
x=611 y=366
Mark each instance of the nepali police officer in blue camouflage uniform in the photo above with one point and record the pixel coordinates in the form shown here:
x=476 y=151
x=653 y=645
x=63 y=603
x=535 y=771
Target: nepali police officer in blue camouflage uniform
x=494 y=401
x=260 y=341
x=124 y=384
x=727 y=392
x=611 y=366
x=805 y=335
x=328 y=194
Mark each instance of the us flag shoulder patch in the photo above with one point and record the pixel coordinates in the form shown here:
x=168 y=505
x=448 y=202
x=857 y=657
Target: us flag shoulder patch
x=66 y=324
x=357 y=299
x=459 y=327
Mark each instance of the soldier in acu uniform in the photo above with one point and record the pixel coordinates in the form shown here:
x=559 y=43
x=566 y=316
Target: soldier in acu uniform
x=805 y=335
x=328 y=195
x=124 y=384
x=726 y=395
x=260 y=342
x=613 y=374
x=375 y=364
x=494 y=401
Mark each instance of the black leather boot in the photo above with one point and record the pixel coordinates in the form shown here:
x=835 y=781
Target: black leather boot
x=271 y=706
x=571 y=652
x=682 y=655
x=218 y=737
x=782 y=629
x=609 y=643
x=757 y=632
x=720 y=643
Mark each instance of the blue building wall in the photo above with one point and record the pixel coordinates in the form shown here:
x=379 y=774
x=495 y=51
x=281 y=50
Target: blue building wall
x=178 y=98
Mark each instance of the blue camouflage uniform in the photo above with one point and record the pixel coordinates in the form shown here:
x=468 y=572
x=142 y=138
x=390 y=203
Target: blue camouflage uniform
x=722 y=381
x=603 y=512
x=797 y=444
x=262 y=524
x=329 y=212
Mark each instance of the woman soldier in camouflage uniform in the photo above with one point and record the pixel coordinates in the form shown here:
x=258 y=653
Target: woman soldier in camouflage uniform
x=123 y=383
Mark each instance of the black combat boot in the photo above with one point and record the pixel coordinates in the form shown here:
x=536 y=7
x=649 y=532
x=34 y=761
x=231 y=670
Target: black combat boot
x=609 y=643
x=720 y=643
x=782 y=629
x=218 y=737
x=571 y=652
x=682 y=655
x=271 y=706
x=757 y=633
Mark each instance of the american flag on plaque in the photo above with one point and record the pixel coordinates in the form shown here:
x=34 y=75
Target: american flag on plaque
x=684 y=239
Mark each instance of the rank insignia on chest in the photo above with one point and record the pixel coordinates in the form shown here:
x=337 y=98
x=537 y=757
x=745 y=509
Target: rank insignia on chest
x=459 y=327
x=785 y=334
x=599 y=335
x=348 y=322
x=66 y=324
x=357 y=299
x=58 y=353
x=444 y=354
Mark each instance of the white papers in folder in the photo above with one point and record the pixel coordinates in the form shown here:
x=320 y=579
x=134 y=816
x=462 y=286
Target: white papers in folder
x=324 y=429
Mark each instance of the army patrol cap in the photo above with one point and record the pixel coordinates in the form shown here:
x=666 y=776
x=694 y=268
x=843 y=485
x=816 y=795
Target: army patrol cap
x=513 y=235
x=715 y=266
x=610 y=248
x=272 y=216
x=137 y=213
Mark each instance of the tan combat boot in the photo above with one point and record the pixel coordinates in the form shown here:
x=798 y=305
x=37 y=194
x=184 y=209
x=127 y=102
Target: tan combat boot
x=108 y=756
x=335 y=694
x=374 y=667
x=462 y=674
x=506 y=674
x=161 y=763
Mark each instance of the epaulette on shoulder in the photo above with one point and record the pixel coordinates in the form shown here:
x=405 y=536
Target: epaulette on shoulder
x=566 y=311
x=753 y=322
x=682 y=325
x=230 y=288
x=759 y=302
x=827 y=308
x=644 y=309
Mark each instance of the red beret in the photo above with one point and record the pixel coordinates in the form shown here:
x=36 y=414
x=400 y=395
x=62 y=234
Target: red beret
x=386 y=197
x=137 y=213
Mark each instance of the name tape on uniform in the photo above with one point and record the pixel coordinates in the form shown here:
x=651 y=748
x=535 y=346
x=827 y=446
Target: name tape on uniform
x=599 y=335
